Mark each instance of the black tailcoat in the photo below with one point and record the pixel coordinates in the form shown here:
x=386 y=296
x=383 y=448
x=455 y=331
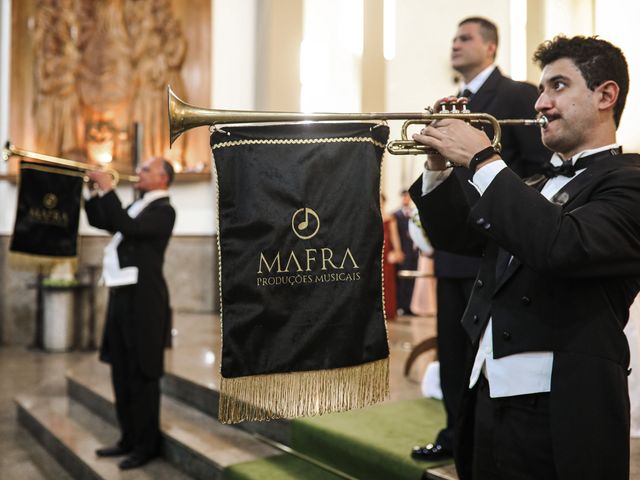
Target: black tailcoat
x=143 y=246
x=575 y=272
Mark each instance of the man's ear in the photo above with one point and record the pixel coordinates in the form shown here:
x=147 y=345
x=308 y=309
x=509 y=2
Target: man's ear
x=607 y=94
x=492 y=49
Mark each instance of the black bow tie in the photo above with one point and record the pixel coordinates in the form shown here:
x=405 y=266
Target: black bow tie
x=568 y=169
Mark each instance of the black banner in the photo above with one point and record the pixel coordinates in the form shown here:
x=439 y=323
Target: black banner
x=47 y=213
x=300 y=237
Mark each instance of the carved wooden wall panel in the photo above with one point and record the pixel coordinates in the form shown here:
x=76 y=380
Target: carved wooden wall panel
x=83 y=71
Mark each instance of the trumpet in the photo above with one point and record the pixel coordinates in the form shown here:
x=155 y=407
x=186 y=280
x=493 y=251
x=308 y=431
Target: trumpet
x=183 y=117
x=10 y=150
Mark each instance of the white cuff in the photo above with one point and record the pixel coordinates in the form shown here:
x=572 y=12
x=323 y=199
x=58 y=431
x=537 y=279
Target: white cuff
x=432 y=178
x=485 y=175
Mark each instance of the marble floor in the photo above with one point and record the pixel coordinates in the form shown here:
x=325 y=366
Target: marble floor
x=196 y=349
x=21 y=456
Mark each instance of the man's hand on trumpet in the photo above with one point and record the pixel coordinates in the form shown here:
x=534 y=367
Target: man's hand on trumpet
x=104 y=180
x=456 y=140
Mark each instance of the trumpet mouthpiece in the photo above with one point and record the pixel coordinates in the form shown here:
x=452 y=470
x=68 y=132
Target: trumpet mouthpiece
x=542 y=121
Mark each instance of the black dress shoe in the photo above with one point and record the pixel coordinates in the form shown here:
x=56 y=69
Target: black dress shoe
x=431 y=452
x=135 y=460
x=114 y=451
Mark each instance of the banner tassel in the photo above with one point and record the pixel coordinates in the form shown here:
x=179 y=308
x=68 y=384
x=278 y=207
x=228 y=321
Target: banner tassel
x=297 y=394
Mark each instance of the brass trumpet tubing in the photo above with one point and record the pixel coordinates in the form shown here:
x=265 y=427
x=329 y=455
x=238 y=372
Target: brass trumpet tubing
x=10 y=150
x=183 y=117
x=409 y=147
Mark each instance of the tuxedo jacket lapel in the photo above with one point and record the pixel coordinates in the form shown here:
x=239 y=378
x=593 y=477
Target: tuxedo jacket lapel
x=487 y=92
x=564 y=197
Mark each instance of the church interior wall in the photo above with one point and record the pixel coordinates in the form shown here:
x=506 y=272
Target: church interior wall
x=190 y=270
x=415 y=77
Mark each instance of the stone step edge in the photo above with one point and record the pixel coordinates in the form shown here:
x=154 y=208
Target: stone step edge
x=195 y=463
x=193 y=393
x=75 y=463
x=62 y=454
x=172 y=385
x=205 y=400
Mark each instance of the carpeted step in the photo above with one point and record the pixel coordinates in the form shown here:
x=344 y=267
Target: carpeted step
x=284 y=467
x=192 y=380
x=351 y=441
x=375 y=442
x=71 y=434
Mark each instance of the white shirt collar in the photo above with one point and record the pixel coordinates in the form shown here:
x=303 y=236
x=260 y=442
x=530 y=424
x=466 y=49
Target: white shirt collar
x=556 y=160
x=155 y=195
x=136 y=207
x=477 y=82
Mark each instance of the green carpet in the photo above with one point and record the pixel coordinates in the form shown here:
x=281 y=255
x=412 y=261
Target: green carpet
x=281 y=467
x=375 y=442
x=371 y=443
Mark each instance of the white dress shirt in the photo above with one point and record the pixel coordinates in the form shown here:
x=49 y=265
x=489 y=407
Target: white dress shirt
x=521 y=373
x=112 y=274
x=474 y=85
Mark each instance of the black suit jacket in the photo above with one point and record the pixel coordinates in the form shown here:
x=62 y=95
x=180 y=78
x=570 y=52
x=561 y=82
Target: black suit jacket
x=522 y=149
x=575 y=272
x=145 y=240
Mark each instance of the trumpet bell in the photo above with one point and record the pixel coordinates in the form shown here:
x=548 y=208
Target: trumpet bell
x=183 y=116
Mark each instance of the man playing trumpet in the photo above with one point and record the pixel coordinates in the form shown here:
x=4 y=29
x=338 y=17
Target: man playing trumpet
x=548 y=394
x=138 y=313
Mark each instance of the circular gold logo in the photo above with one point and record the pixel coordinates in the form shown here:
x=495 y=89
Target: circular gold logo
x=50 y=200
x=305 y=223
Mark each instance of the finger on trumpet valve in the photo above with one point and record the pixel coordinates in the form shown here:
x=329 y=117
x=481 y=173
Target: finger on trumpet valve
x=462 y=104
x=451 y=104
x=441 y=106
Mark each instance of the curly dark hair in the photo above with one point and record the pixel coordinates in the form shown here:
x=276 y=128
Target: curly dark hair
x=597 y=60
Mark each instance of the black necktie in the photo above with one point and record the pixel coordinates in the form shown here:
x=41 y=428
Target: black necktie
x=466 y=93
x=568 y=169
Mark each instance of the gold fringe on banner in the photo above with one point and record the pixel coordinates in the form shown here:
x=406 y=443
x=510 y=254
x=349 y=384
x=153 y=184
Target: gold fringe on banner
x=43 y=263
x=298 y=394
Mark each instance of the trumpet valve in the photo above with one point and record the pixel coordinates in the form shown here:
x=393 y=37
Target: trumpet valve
x=447 y=104
x=462 y=103
x=452 y=105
